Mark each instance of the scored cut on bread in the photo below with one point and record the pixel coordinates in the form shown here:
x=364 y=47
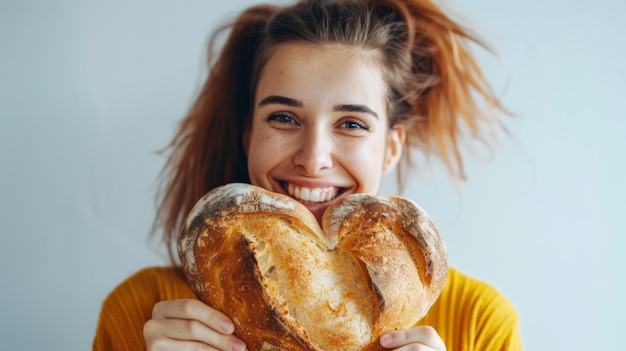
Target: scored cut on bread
x=376 y=264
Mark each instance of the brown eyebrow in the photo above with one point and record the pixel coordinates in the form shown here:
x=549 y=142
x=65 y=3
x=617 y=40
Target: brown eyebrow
x=282 y=100
x=355 y=108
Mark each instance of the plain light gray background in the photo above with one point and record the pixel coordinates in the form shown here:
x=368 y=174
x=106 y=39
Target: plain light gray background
x=89 y=90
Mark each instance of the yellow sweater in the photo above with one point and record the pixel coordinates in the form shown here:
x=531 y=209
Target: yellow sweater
x=470 y=315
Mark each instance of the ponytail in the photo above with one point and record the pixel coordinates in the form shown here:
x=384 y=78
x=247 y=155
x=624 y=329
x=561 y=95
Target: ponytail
x=458 y=103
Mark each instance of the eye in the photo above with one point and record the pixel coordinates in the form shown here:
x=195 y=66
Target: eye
x=281 y=118
x=354 y=124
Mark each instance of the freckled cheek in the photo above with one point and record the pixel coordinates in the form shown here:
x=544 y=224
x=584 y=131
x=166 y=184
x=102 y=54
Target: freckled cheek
x=365 y=156
x=370 y=151
x=366 y=164
x=268 y=149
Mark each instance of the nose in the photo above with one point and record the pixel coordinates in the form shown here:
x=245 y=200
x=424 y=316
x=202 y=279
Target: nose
x=315 y=152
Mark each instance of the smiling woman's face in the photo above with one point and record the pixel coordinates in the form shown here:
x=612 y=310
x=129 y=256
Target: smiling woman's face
x=320 y=127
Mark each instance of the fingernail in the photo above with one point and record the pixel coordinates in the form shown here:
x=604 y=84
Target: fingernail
x=237 y=345
x=227 y=326
x=386 y=340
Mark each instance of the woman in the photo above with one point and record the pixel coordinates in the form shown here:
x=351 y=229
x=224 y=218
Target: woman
x=317 y=101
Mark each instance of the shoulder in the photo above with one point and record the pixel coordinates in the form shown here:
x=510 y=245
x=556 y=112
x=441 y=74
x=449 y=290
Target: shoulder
x=129 y=305
x=476 y=297
x=134 y=298
x=474 y=315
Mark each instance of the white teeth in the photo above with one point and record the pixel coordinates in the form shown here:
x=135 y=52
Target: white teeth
x=312 y=195
x=305 y=194
x=315 y=196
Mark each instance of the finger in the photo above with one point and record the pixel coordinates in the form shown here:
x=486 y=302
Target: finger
x=193 y=310
x=164 y=332
x=426 y=338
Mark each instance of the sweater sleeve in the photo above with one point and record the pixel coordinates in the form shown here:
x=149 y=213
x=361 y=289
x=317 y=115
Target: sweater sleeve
x=497 y=322
x=471 y=315
x=129 y=306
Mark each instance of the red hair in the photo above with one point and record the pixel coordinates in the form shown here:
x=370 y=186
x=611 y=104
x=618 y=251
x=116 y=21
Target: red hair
x=434 y=89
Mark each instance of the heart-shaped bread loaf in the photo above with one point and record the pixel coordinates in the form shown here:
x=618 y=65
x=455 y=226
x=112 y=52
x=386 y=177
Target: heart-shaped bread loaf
x=260 y=257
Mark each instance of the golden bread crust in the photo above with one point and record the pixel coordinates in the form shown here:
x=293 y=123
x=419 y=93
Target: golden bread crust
x=262 y=259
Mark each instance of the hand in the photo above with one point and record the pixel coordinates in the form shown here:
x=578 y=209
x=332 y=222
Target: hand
x=423 y=338
x=189 y=324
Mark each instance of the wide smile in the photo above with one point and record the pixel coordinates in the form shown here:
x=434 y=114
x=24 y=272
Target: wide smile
x=314 y=195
